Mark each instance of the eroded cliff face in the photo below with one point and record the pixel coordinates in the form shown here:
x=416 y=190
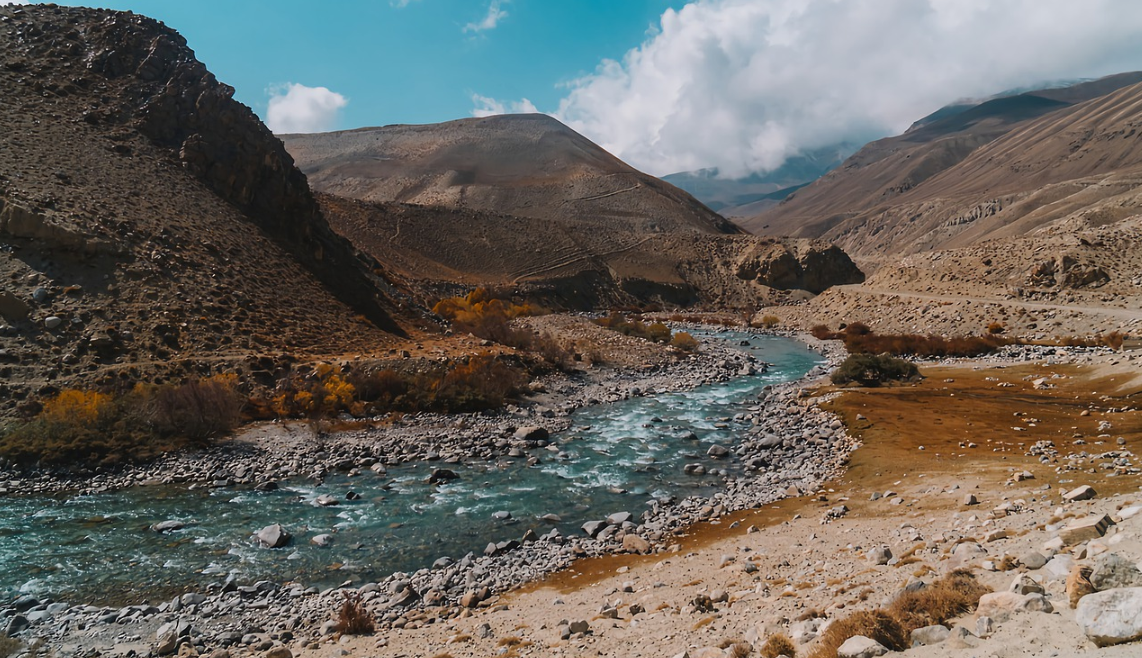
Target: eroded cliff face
x=151 y=228
x=145 y=77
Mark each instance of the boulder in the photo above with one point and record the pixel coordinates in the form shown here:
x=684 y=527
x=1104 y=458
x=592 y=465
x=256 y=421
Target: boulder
x=859 y=646
x=1111 y=617
x=532 y=433
x=579 y=626
x=593 y=528
x=325 y=500
x=168 y=526
x=322 y=540
x=966 y=554
x=929 y=635
x=1002 y=606
x=635 y=544
x=441 y=475
x=1082 y=492
x=278 y=652
x=619 y=518
x=1085 y=529
x=1112 y=571
x=879 y=555
x=273 y=536
x=1033 y=560
x=962 y=638
x=1024 y=584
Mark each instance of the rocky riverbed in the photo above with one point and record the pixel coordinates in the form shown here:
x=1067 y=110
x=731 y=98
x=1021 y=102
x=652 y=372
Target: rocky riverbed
x=790 y=443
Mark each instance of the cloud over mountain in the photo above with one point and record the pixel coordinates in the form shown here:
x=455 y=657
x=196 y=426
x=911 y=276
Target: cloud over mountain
x=743 y=84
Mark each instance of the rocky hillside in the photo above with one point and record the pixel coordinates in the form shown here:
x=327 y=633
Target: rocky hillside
x=525 y=165
x=999 y=169
x=151 y=226
x=524 y=202
x=582 y=262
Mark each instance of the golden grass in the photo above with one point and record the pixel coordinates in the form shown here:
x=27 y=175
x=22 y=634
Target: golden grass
x=705 y=621
x=778 y=644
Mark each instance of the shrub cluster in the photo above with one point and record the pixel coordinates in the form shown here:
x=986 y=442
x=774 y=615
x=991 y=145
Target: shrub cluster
x=353 y=618
x=96 y=428
x=655 y=332
x=951 y=596
x=486 y=316
x=859 y=339
x=1113 y=340
x=480 y=382
x=873 y=370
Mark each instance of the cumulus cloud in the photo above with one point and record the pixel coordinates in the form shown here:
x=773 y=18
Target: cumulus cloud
x=486 y=107
x=744 y=84
x=295 y=108
x=13 y=2
x=401 y=4
x=496 y=13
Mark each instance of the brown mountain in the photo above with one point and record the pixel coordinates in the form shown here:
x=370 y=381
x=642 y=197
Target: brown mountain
x=526 y=203
x=528 y=165
x=984 y=172
x=1037 y=227
x=152 y=227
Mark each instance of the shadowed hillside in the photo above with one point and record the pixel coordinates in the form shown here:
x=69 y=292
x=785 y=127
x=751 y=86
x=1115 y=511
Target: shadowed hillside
x=152 y=227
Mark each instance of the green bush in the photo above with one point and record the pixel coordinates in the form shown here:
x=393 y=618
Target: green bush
x=873 y=370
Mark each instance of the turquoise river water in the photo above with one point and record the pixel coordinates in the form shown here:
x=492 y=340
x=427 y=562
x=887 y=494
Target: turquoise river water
x=97 y=548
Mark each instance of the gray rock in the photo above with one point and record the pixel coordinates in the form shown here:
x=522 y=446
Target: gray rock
x=325 y=500
x=1112 y=571
x=619 y=518
x=859 y=646
x=984 y=626
x=717 y=451
x=1024 y=584
x=1082 y=492
x=879 y=555
x=579 y=626
x=593 y=528
x=929 y=635
x=322 y=540
x=273 y=536
x=1033 y=560
x=532 y=433
x=1111 y=617
x=16 y=624
x=168 y=526
x=962 y=638
x=278 y=652
x=52 y=321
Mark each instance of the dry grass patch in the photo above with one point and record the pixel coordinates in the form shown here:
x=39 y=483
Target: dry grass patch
x=354 y=618
x=705 y=621
x=737 y=647
x=778 y=644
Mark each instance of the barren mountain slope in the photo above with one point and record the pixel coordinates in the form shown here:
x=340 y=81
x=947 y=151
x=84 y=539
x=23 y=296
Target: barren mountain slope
x=526 y=165
x=151 y=226
x=996 y=170
x=582 y=262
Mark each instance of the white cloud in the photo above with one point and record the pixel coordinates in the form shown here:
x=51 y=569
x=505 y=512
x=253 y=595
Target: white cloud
x=13 y=2
x=295 y=108
x=401 y=4
x=495 y=14
x=743 y=84
x=486 y=107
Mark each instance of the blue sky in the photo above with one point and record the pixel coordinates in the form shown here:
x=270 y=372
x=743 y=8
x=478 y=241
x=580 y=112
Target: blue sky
x=415 y=63
x=667 y=85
